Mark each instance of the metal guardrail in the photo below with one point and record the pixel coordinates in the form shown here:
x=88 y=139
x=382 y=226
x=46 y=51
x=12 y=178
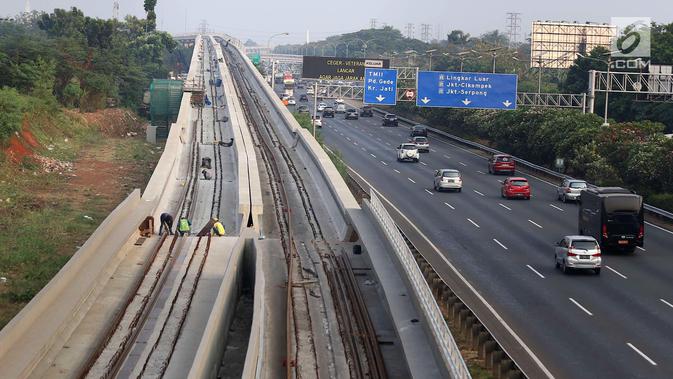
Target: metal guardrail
x=657 y=212
x=440 y=331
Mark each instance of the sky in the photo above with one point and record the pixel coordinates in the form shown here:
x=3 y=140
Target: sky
x=259 y=19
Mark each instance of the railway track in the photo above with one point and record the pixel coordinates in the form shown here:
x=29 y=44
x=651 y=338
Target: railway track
x=320 y=281
x=122 y=354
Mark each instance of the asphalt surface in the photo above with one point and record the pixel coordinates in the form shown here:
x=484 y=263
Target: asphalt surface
x=616 y=325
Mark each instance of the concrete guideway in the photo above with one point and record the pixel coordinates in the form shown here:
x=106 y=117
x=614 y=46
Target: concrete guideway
x=324 y=175
x=89 y=294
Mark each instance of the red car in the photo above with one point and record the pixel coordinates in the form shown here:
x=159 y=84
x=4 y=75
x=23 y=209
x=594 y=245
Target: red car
x=515 y=187
x=501 y=163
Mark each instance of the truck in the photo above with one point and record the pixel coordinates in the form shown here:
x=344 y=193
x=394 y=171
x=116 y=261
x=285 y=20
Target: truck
x=614 y=216
x=288 y=84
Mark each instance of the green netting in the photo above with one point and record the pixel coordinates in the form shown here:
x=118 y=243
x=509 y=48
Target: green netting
x=166 y=96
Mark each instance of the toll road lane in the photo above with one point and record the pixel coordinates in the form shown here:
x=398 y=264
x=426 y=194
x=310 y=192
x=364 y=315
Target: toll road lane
x=500 y=278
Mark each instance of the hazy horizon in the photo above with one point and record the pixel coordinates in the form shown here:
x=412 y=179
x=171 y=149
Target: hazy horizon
x=324 y=19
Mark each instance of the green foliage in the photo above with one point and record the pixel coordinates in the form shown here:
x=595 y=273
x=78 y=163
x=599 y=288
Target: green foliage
x=81 y=60
x=633 y=154
x=661 y=200
x=72 y=93
x=12 y=107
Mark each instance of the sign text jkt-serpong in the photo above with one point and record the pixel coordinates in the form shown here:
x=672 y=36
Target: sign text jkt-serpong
x=334 y=68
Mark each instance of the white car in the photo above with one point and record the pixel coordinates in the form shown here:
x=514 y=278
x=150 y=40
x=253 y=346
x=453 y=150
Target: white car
x=291 y=101
x=339 y=101
x=407 y=152
x=578 y=252
x=309 y=91
x=321 y=107
x=340 y=108
x=421 y=143
x=449 y=179
x=317 y=121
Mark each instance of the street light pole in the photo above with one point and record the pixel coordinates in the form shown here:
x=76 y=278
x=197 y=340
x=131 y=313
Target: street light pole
x=607 y=92
x=539 y=74
x=273 y=63
x=430 y=53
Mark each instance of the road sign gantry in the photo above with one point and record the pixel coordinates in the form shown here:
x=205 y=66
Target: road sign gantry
x=472 y=90
x=380 y=86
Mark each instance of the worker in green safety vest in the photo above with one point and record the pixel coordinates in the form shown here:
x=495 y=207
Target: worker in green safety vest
x=184 y=226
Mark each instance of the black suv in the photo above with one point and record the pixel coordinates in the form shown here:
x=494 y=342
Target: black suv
x=389 y=120
x=351 y=114
x=303 y=97
x=328 y=112
x=366 y=111
x=419 y=131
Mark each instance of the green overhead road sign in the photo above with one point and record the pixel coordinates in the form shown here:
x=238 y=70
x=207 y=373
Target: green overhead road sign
x=255 y=58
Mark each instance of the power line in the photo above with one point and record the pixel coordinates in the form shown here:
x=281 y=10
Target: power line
x=372 y=23
x=513 y=27
x=426 y=30
x=115 y=10
x=409 y=28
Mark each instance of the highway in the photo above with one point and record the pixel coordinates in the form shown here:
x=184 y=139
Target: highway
x=616 y=325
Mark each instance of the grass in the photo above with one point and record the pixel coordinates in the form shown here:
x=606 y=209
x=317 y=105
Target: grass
x=44 y=218
x=335 y=156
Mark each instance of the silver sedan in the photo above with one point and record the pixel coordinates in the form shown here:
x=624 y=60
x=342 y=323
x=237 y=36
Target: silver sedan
x=578 y=252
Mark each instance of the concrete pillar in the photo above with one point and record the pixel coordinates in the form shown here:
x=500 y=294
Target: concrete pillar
x=151 y=134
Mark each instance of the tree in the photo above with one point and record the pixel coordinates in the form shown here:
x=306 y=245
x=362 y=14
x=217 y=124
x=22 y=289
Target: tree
x=151 y=15
x=458 y=37
x=577 y=80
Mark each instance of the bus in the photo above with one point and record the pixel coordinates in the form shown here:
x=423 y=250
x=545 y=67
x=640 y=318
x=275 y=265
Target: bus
x=614 y=216
x=288 y=84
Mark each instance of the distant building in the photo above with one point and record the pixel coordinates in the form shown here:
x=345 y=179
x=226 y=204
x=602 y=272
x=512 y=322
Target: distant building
x=261 y=50
x=556 y=44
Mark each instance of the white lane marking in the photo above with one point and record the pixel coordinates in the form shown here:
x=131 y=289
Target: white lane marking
x=341 y=134
x=396 y=171
x=447 y=157
x=460 y=276
x=449 y=205
x=474 y=223
x=363 y=149
x=424 y=164
x=535 y=271
x=580 y=306
x=481 y=172
x=555 y=207
x=499 y=181
x=479 y=193
x=666 y=302
x=384 y=163
x=640 y=248
x=372 y=155
x=463 y=164
x=653 y=363
x=355 y=143
x=534 y=223
x=504 y=206
x=501 y=245
x=433 y=150
x=426 y=190
x=379 y=139
x=616 y=272
x=411 y=180
x=348 y=138
x=659 y=227
x=388 y=143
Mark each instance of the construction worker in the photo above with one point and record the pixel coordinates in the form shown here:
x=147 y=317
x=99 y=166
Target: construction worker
x=184 y=226
x=218 y=228
x=166 y=222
